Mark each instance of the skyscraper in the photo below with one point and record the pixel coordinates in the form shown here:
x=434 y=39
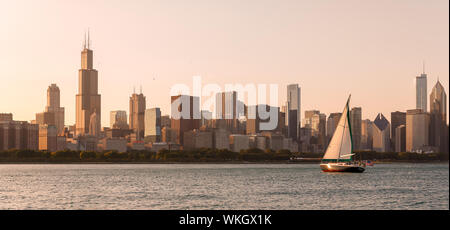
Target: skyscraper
x=438 y=118
x=53 y=105
x=137 y=114
x=397 y=119
x=153 y=125
x=293 y=103
x=291 y=120
x=318 y=125
x=355 y=119
x=366 y=134
x=53 y=114
x=88 y=101
x=400 y=136
x=417 y=130
x=381 y=134
x=421 y=92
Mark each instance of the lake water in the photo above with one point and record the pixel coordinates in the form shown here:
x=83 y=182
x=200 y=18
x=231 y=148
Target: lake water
x=222 y=186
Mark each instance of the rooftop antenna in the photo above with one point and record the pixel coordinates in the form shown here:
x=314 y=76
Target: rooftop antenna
x=84 y=43
x=141 y=89
x=89 y=41
x=134 y=89
x=424 y=67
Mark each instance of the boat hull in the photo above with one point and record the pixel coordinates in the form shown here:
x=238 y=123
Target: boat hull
x=341 y=168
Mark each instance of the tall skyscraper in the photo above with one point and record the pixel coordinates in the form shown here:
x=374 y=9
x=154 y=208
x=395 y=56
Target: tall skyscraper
x=137 y=114
x=355 y=119
x=381 y=134
x=88 y=101
x=293 y=103
x=438 y=118
x=417 y=130
x=421 y=92
x=397 y=119
x=153 y=125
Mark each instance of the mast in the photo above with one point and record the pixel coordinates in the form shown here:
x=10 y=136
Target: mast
x=343 y=130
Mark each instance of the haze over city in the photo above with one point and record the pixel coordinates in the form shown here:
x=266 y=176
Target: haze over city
x=373 y=50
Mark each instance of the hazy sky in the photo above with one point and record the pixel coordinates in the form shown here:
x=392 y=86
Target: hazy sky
x=371 y=49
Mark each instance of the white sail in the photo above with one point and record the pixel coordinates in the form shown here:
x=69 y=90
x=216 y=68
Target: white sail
x=340 y=147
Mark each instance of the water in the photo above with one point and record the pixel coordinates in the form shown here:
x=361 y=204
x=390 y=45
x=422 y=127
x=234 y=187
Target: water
x=222 y=186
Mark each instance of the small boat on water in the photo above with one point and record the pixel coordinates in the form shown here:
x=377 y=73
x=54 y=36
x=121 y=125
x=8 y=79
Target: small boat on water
x=338 y=157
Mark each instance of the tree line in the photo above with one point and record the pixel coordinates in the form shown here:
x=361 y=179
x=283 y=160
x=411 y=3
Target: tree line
x=199 y=155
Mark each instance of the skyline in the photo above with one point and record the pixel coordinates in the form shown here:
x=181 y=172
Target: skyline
x=390 y=65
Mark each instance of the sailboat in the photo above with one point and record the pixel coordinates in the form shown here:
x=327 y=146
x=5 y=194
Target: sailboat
x=338 y=157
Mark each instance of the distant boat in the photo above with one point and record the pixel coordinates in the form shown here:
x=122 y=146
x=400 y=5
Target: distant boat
x=338 y=157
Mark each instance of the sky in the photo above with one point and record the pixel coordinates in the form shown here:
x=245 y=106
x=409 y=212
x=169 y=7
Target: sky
x=331 y=48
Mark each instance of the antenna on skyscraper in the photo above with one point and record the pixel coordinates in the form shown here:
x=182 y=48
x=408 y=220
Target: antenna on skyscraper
x=141 y=88
x=84 y=43
x=423 y=66
x=134 y=89
x=89 y=41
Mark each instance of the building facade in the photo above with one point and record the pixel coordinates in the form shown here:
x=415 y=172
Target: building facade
x=400 y=138
x=366 y=134
x=417 y=130
x=355 y=119
x=293 y=104
x=397 y=119
x=153 y=125
x=118 y=119
x=381 y=131
x=48 y=138
x=421 y=92
x=19 y=135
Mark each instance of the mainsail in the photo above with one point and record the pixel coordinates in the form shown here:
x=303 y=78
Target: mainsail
x=341 y=146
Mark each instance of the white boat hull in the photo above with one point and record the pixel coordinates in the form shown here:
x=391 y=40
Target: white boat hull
x=339 y=167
